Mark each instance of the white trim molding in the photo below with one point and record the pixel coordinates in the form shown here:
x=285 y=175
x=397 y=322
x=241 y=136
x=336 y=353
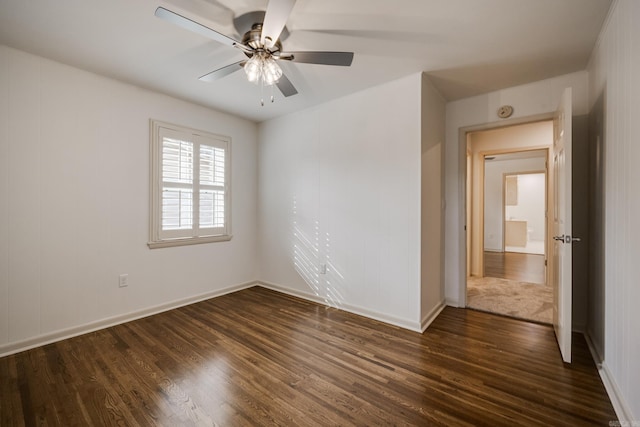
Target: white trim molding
x=615 y=395
x=620 y=405
x=360 y=311
x=18 y=346
x=431 y=316
x=167 y=243
x=451 y=302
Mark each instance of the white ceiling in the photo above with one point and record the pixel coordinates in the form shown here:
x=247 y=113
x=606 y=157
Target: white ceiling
x=468 y=47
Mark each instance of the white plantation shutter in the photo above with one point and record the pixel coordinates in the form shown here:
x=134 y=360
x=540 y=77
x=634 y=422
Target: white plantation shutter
x=177 y=184
x=190 y=186
x=212 y=187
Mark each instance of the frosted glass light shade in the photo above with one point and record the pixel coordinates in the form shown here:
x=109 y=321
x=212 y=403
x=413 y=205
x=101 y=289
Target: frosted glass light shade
x=271 y=72
x=262 y=68
x=253 y=69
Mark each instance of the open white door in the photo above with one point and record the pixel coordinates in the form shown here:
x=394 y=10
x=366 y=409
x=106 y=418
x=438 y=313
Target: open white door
x=562 y=238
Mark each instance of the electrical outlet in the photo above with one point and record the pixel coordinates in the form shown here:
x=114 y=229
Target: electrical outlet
x=323 y=269
x=123 y=280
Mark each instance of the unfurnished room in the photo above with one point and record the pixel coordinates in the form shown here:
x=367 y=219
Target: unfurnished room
x=313 y=213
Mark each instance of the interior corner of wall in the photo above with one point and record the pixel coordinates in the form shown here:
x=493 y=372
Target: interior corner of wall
x=451 y=302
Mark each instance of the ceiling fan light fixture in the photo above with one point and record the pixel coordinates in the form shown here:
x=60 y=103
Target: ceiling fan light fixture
x=261 y=68
x=261 y=44
x=253 y=69
x=271 y=71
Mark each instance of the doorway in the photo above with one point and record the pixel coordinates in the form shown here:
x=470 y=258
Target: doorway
x=507 y=228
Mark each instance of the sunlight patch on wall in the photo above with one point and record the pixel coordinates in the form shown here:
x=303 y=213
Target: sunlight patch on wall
x=312 y=260
x=305 y=253
x=335 y=283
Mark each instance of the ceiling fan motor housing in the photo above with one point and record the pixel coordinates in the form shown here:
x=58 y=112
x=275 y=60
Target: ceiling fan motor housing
x=245 y=23
x=252 y=38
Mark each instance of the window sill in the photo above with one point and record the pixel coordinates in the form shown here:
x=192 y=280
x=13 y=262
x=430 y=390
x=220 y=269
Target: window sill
x=188 y=241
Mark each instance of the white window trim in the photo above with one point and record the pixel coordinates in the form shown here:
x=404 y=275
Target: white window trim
x=156 y=240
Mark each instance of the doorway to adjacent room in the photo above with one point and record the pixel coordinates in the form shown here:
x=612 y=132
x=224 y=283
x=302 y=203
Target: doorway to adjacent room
x=508 y=205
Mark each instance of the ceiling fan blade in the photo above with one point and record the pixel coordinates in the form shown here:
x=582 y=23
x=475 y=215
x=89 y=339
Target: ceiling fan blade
x=193 y=26
x=221 y=72
x=286 y=87
x=343 y=59
x=274 y=20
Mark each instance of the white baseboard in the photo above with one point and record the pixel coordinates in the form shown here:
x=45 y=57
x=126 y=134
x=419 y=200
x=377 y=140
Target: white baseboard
x=50 y=337
x=595 y=354
x=452 y=302
x=618 y=401
x=54 y=336
x=615 y=395
x=431 y=316
x=392 y=320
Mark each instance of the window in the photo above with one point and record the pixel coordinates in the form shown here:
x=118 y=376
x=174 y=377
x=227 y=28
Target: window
x=190 y=192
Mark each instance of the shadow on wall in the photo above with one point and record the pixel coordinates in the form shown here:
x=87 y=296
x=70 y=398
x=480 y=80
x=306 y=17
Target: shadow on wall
x=312 y=261
x=596 y=227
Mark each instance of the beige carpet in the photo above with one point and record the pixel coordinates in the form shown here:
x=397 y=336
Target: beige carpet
x=523 y=300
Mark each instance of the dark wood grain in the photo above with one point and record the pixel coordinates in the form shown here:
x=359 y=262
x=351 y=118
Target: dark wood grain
x=515 y=266
x=257 y=357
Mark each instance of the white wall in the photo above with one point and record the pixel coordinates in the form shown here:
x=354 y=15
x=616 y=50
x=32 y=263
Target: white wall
x=613 y=78
x=531 y=100
x=432 y=215
x=531 y=204
x=339 y=184
x=531 y=200
x=74 y=202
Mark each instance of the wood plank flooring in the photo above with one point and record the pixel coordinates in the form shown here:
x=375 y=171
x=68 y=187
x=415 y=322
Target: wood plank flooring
x=260 y=358
x=515 y=266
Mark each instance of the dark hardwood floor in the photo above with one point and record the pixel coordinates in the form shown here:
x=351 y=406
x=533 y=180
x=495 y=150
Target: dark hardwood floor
x=257 y=357
x=515 y=266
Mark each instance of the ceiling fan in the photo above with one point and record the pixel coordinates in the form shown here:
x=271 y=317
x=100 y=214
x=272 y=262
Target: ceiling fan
x=261 y=43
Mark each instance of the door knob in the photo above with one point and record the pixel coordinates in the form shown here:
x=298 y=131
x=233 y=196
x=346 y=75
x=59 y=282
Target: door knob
x=566 y=239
